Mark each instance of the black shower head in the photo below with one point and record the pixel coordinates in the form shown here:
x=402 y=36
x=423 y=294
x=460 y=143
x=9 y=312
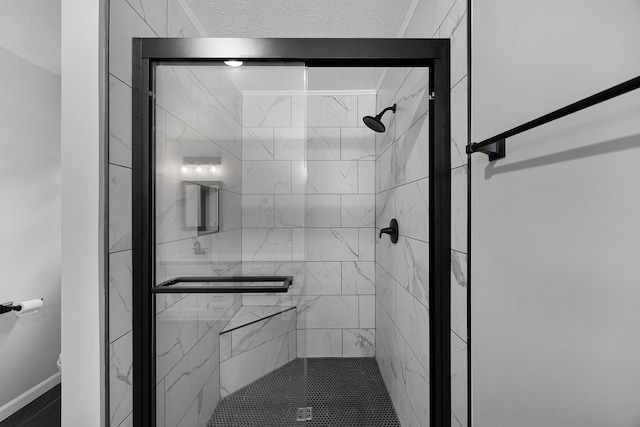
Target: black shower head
x=375 y=123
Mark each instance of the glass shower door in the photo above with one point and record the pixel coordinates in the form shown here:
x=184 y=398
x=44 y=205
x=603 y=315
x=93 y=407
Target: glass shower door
x=229 y=199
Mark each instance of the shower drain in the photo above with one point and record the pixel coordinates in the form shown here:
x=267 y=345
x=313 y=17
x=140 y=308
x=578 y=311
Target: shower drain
x=304 y=414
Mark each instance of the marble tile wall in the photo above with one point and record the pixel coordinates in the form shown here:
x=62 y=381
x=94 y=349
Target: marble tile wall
x=326 y=204
x=198 y=113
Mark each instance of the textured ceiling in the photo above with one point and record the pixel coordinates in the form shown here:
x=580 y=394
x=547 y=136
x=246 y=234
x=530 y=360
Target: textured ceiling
x=300 y=18
x=305 y=18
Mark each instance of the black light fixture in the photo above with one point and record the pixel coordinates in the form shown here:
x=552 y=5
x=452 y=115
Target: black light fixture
x=375 y=123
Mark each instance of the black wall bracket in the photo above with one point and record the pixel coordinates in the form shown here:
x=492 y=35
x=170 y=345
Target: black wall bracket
x=495 y=150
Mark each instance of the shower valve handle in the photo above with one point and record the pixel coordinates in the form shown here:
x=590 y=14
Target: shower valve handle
x=392 y=231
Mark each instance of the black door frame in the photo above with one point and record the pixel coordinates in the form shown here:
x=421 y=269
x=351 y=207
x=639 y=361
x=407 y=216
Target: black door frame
x=431 y=53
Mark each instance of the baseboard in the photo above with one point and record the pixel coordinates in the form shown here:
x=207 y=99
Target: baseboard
x=29 y=396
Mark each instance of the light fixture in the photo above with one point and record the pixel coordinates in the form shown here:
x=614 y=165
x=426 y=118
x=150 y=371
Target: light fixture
x=199 y=166
x=184 y=169
x=233 y=63
x=213 y=169
x=198 y=169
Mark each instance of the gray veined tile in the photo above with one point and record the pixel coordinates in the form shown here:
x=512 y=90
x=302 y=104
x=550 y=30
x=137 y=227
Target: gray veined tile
x=454 y=26
x=120 y=294
x=367 y=244
x=323 y=211
x=385 y=208
x=459 y=293
x=289 y=210
x=269 y=244
x=329 y=311
x=412 y=319
x=177 y=332
x=119 y=208
x=459 y=209
x=154 y=14
x=357 y=144
x=323 y=144
x=119 y=123
x=214 y=121
x=289 y=143
x=266 y=110
x=412 y=208
x=323 y=278
x=386 y=292
x=319 y=343
x=209 y=398
x=358 y=210
x=332 y=244
x=255 y=334
x=327 y=111
x=459 y=384
x=332 y=177
x=366 y=311
x=230 y=210
x=366 y=177
x=257 y=143
x=358 y=343
x=398 y=162
x=366 y=107
x=416 y=142
x=179 y=24
x=459 y=131
x=230 y=96
x=417 y=386
x=177 y=93
x=412 y=99
x=358 y=278
x=415 y=255
x=121 y=378
x=266 y=177
x=258 y=211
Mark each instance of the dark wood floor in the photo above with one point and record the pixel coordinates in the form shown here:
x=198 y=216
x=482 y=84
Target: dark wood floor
x=42 y=412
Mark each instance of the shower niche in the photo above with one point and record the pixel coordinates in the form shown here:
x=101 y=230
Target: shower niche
x=263 y=286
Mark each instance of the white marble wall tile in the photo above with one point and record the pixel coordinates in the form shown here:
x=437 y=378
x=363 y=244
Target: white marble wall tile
x=124 y=24
x=289 y=210
x=230 y=210
x=230 y=249
x=181 y=259
x=366 y=244
x=177 y=332
x=327 y=111
x=266 y=177
x=332 y=177
x=323 y=211
x=267 y=110
x=389 y=256
x=257 y=211
x=258 y=268
x=332 y=244
x=416 y=148
x=120 y=295
x=366 y=177
x=412 y=99
x=209 y=77
x=427 y=17
x=170 y=202
x=214 y=121
x=412 y=319
x=293 y=345
x=296 y=269
x=209 y=398
x=266 y=244
x=385 y=139
x=247 y=367
x=319 y=343
x=298 y=244
x=394 y=345
x=358 y=210
x=119 y=208
x=159 y=404
x=190 y=418
x=385 y=172
x=329 y=312
x=459 y=404
x=459 y=209
x=404 y=410
x=357 y=144
x=255 y=334
x=323 y=278
x=358 y=343
x=230 y=97
x=211 y=309
x=257 y=143
x=384 y=363
x=412 y=209
x=386 y=292
x=358 y=278
x=278 y=300
x=178 y=22
x=366 y=107
x=289 y=143
x=121 y=379
x=186 y=380
x=298 y=177
x=459 y=293
x=459 y=134
x=413 y=269
x=385 y=208
x=119 y=123
x=225 y=347
x=367 y=311
x=454 y=421
x=299 y=110
x=177 y=93
x=454 y=27
x=230 y=172
x=417 y=387
x=323 y=144
x=393 y=78
x=398 y=162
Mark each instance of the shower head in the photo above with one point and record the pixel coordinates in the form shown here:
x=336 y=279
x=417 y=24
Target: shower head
x=375 y=123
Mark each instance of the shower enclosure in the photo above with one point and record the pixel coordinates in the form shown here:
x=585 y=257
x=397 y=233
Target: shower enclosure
x=243 y=274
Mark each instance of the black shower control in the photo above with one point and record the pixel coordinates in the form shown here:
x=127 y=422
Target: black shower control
x=392 y=231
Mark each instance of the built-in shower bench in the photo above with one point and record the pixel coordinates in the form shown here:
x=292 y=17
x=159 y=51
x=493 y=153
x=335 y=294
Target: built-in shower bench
x=257 y=340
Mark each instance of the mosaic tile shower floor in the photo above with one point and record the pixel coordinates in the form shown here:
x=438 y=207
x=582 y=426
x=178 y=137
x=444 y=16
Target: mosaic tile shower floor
x=342 y=392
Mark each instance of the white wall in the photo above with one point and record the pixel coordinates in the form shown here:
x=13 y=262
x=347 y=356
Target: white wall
x=29 y=224
x=555 y=234
x=82 y=213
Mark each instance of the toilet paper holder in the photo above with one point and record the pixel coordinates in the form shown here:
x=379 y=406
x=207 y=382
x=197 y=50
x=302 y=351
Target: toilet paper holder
x=8 y=307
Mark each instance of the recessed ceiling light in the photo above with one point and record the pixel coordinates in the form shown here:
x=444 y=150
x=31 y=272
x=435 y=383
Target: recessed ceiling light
x=233 y=63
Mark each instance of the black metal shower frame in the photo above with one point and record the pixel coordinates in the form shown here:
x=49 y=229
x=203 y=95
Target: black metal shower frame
x=334 y=52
